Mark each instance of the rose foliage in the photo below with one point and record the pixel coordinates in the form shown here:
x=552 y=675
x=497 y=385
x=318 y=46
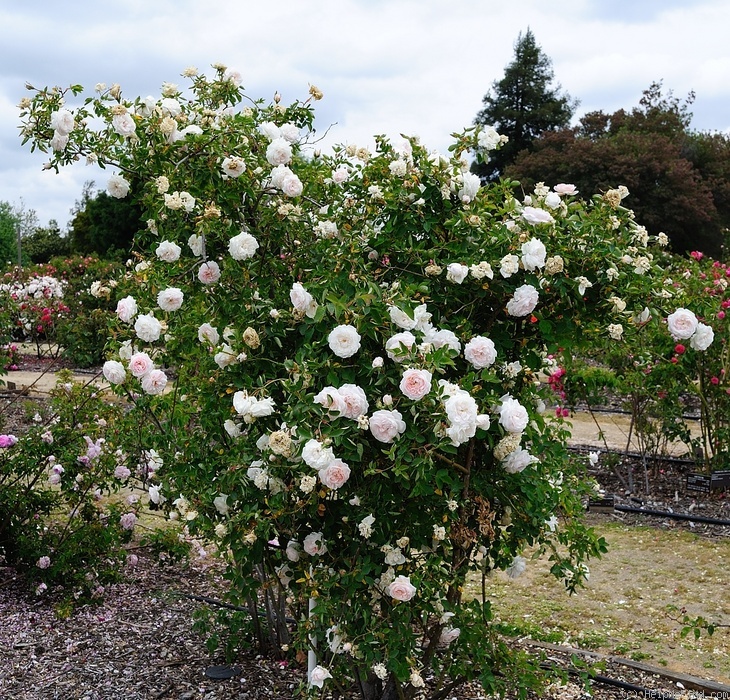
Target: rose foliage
x=356 y=418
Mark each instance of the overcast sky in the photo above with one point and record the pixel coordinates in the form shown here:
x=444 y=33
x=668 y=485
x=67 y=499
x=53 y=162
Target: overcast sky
x=385 y=66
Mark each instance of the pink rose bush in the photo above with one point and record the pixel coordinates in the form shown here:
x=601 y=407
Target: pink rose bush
x=349 y=369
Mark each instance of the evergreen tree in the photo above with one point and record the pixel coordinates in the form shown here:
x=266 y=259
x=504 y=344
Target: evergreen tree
x=522 y=105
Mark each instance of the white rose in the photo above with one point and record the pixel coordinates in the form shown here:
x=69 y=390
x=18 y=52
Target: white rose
x=208 y=334
x=344 y=341
x=398 y=346
x=386 y=426
x=552 y=200
x=401 y=318
x=62 y=121
x=124 y=124
x=682 y=324
x=147 y=328
x=331 y=399
x=533 y=254
x=513 y=415
x=470 y=184
x=117 y=187
x=456 y=272
x=533 y=215
x=195 y=243
x=221 y=504
x=209 y=272
x=302 y=300
x=316 y=455
x=168 y=251
x=480 y=352
x=170 y=299
x=517 y=461
x=114 y=372
x=242 y=246
x=523 y=301
x=509 y=265
x=702 y=337
x=291 y=185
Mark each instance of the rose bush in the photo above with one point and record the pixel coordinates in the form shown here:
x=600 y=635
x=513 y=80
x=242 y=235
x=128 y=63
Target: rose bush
x=356 y=420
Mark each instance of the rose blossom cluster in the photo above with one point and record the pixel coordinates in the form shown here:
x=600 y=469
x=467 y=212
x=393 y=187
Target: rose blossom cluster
x=683 y=325
x=141 y=367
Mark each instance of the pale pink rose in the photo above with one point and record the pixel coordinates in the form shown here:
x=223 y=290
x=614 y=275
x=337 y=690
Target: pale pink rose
x=533 y=215
x=209 y=272
x=121 y=472
x=170 y=299
x=291 y=185
x=480 y=352
x=114 y=372
x=533 y=254
x=147 y=328
x=340 y=175
x=331 y=399
x=448 y=635
x=314 y=544
x=513 y=415
x=208 y=334
x=335 y=474
x=126 y=309
x=682 y=324
x=155 y=382
x=399 y=345
x=128 y=521
x=278 y=152
x=124 y=124
x=386 y=426
x=319 y=675
x=523 y=301
x=401 y=589
x=344 y=341
x=563 y=188
x=43 y=562
x=355 y=403
x=293 y=550
x=140 y=364
x=416 y=383
x=461 y=408
x=168 y=251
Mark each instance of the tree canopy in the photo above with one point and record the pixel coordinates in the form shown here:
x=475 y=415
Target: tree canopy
x=523 y=105
x=8 y=233
x=103 y=224
x=678 y=179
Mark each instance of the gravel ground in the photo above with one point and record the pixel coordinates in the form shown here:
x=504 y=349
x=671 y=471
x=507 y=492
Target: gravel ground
x=138 y=644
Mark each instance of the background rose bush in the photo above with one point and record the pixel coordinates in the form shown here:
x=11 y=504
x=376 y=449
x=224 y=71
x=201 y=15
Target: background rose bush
x=356 y=420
